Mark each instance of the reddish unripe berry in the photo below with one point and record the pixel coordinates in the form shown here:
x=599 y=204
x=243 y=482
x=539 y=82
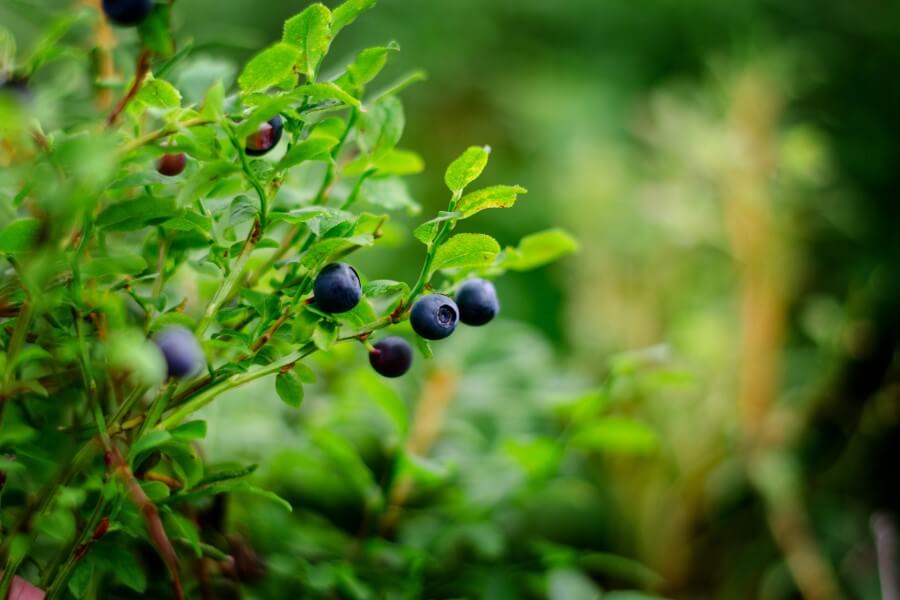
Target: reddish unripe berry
x=266 y=137
x=171 y=165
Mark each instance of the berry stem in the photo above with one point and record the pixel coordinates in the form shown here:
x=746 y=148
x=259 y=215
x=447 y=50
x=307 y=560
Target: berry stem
x=158 y=134
x=425 y=274
x=228 y=284
x=207 y=395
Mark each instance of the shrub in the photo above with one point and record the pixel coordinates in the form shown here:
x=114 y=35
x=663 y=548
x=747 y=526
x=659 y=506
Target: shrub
x=127 y=270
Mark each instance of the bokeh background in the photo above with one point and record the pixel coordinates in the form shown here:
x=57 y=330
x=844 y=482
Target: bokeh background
x=703 y=402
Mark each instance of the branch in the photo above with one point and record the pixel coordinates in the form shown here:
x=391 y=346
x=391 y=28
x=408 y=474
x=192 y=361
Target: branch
x=209 y=394
x=140 y=72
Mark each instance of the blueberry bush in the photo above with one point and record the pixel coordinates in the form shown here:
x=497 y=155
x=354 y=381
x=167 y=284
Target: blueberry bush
x=166 y=241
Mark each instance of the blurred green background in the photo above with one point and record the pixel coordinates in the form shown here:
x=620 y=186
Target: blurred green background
x=704 y=401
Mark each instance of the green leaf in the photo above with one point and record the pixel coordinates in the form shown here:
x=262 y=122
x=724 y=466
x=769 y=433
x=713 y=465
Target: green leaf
x=243 y=486
x=242 y=209
x=159 y=93
x=154 y=31
x=538 y=249
x=426 y=232
x=192 y=430
x=221 y=475
x=269 y=67
x=264 y=111
x=214 y=105
x=128 y=572
x=466 y=250
x=81 y=578
x=134 y=214
x=310 y=33
x=347 y=12
x=317 y=148
x=325 y=335
x=325 y=249
x=367 y=65
x=327 y=91
x=389 y=193
x=114 y=265
x=466 y=169
x=497 y=196
x=150 y=441
x=304 y=373
x=229 y=486
x=19 y=235
x=616 y=434
x=393 y=162
x=385 y=287
x=381 y=127
x=621 y=568
x=289 y=388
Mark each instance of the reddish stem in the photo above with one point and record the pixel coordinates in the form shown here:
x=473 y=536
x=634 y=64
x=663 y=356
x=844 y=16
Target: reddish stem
x=140 y=72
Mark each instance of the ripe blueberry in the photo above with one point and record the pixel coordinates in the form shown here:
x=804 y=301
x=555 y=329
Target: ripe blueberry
x=337 y=288
x=434 y=316
x=391 y=357
x=266 y=137
x=171 y=164
x=181 y=351
x=17 y=89
x=127 y=12
x=477 y=301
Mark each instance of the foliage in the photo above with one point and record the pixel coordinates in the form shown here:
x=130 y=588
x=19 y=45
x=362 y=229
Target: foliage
x=107 y=483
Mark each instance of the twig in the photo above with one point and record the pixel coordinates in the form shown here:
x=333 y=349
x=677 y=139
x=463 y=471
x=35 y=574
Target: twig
x=148 y=509
x=140 y=72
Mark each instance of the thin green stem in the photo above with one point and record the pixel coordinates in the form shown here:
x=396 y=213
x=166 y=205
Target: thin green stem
x=158 y=134
x=425 y=274
x=208 y=394
x=228 y=284
x=58 y=574
x=157 y=408
x=293 y=235
x=251 y=176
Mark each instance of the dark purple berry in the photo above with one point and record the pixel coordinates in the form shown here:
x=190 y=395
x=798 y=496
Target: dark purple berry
x=391 y=357
x=266 y=137
x=127 y=12
x=477 y=301
x=181 y=351
x=434 y=316
x=171 y=164
x=337 y=288
x=17 y=89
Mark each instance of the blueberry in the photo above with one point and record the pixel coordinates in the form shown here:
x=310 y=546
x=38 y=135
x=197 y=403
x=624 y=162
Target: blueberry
x=434 y=316
x=478 y=303
x=337 y=288
x=171 y=164
x=391 y=357
x=127 y=12
x=17 y=89
x=266 y=137
x=181 y=351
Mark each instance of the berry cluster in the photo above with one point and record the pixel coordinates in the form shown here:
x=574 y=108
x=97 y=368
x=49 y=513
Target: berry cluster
x=337 y=289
